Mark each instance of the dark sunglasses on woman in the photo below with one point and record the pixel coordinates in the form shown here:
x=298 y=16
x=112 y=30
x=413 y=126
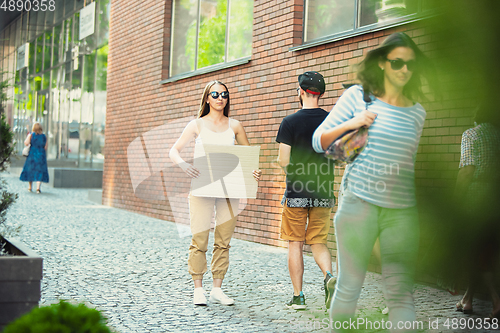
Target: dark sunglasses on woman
x=397 y=64
x=223 y=94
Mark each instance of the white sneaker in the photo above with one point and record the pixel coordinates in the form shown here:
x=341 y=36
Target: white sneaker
x=199 y=297
x=218 y=296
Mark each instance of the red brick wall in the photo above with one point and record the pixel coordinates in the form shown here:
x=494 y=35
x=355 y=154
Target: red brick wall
x=262 y=93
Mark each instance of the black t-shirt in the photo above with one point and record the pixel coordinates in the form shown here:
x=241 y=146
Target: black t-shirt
x=309 y=174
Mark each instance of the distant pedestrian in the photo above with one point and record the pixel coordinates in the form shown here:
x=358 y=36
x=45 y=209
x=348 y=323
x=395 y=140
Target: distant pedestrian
x=213 y=126
x=477 y=195
x=35 y=166
x=377 y=194
x=308 y=199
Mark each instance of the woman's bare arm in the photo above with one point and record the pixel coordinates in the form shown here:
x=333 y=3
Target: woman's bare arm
x=189 y=133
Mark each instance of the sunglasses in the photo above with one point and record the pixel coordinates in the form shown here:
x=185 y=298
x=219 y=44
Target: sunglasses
x=398 y=64
x=223 y=94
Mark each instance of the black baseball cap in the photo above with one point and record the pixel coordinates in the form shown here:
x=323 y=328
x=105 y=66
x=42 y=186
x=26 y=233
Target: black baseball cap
x=312 y=80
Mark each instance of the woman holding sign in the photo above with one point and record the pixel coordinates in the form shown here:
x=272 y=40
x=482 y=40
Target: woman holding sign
x=213 y=126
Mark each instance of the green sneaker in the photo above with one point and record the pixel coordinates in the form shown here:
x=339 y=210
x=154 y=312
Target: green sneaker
x=297 y=302
x=329 y=282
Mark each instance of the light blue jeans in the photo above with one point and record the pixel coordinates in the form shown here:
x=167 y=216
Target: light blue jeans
x=357 y=226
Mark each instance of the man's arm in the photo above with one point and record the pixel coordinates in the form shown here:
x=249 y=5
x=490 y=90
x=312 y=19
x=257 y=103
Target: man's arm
x=284 y=155
x=464 y=179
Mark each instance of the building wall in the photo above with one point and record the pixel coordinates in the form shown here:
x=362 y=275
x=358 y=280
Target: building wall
x=262 y=93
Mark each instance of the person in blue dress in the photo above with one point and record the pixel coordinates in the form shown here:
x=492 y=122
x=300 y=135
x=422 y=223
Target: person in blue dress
x=35 y=166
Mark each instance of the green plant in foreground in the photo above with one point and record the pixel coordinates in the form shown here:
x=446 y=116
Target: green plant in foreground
x=62 y=317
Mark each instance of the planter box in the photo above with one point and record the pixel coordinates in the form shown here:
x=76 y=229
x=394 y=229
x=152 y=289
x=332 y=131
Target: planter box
x=20 y=277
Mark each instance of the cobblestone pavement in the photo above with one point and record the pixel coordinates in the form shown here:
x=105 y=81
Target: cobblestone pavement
x=134 y=269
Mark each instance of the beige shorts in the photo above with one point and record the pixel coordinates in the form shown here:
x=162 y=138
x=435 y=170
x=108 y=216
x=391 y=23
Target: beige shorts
x=295 y=219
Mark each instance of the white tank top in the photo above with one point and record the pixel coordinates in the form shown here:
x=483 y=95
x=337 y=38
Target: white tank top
x=209 y=137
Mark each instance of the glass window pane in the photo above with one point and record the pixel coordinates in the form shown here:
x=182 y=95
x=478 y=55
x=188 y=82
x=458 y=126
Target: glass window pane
x=23 y=74
x=77 y=73
x=58 y=44
x=2 y=46
x=29 y=102
x=12 y=38
x=46 y=80
x=183 y=47
x=379 y=11
x=53 y=136
x=325 y=18
x=32 y=50
x=40 y=28
x=75 y=106
x=5 y=65
x=69 y=7
x=47 y=50
x=88 y=88
x=212 y=35
x=39 y=54
x=68 y=38
x=49 y=19
x=99 y=119
x=87 y=109
x=240 y=29
x=42 y=109
x=22 y=123
x=76 y=29
x=102 y=68
x=19 y=29
x=89 y=72
x=32 y=25
x=37 y=83
x=79 y=4
x=103 y=11
x=24 y=30
x=63 y=84
x=59 y=12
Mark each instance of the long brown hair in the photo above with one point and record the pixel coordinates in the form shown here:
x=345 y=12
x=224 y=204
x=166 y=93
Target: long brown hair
x=204 y=106
x=372 y=77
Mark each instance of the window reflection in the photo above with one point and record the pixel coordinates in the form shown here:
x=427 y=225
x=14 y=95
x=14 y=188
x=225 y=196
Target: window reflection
x=39 y=54
x=63 y=85
x=378 y=11
x=328 y=18
x=47 y=51
x=184 y=36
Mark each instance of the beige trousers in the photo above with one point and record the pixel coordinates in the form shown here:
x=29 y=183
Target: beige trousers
x=201 y=210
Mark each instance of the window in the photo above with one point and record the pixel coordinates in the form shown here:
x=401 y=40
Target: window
x=209 y=32
x=329 y=18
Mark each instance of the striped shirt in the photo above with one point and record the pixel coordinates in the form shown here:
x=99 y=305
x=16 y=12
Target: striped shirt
x=384 y=173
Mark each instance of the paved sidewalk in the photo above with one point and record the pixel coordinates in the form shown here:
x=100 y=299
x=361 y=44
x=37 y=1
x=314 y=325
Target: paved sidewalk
x=134 y=269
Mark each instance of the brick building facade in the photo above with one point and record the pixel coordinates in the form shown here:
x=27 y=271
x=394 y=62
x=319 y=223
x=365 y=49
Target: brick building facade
x=146 y=111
